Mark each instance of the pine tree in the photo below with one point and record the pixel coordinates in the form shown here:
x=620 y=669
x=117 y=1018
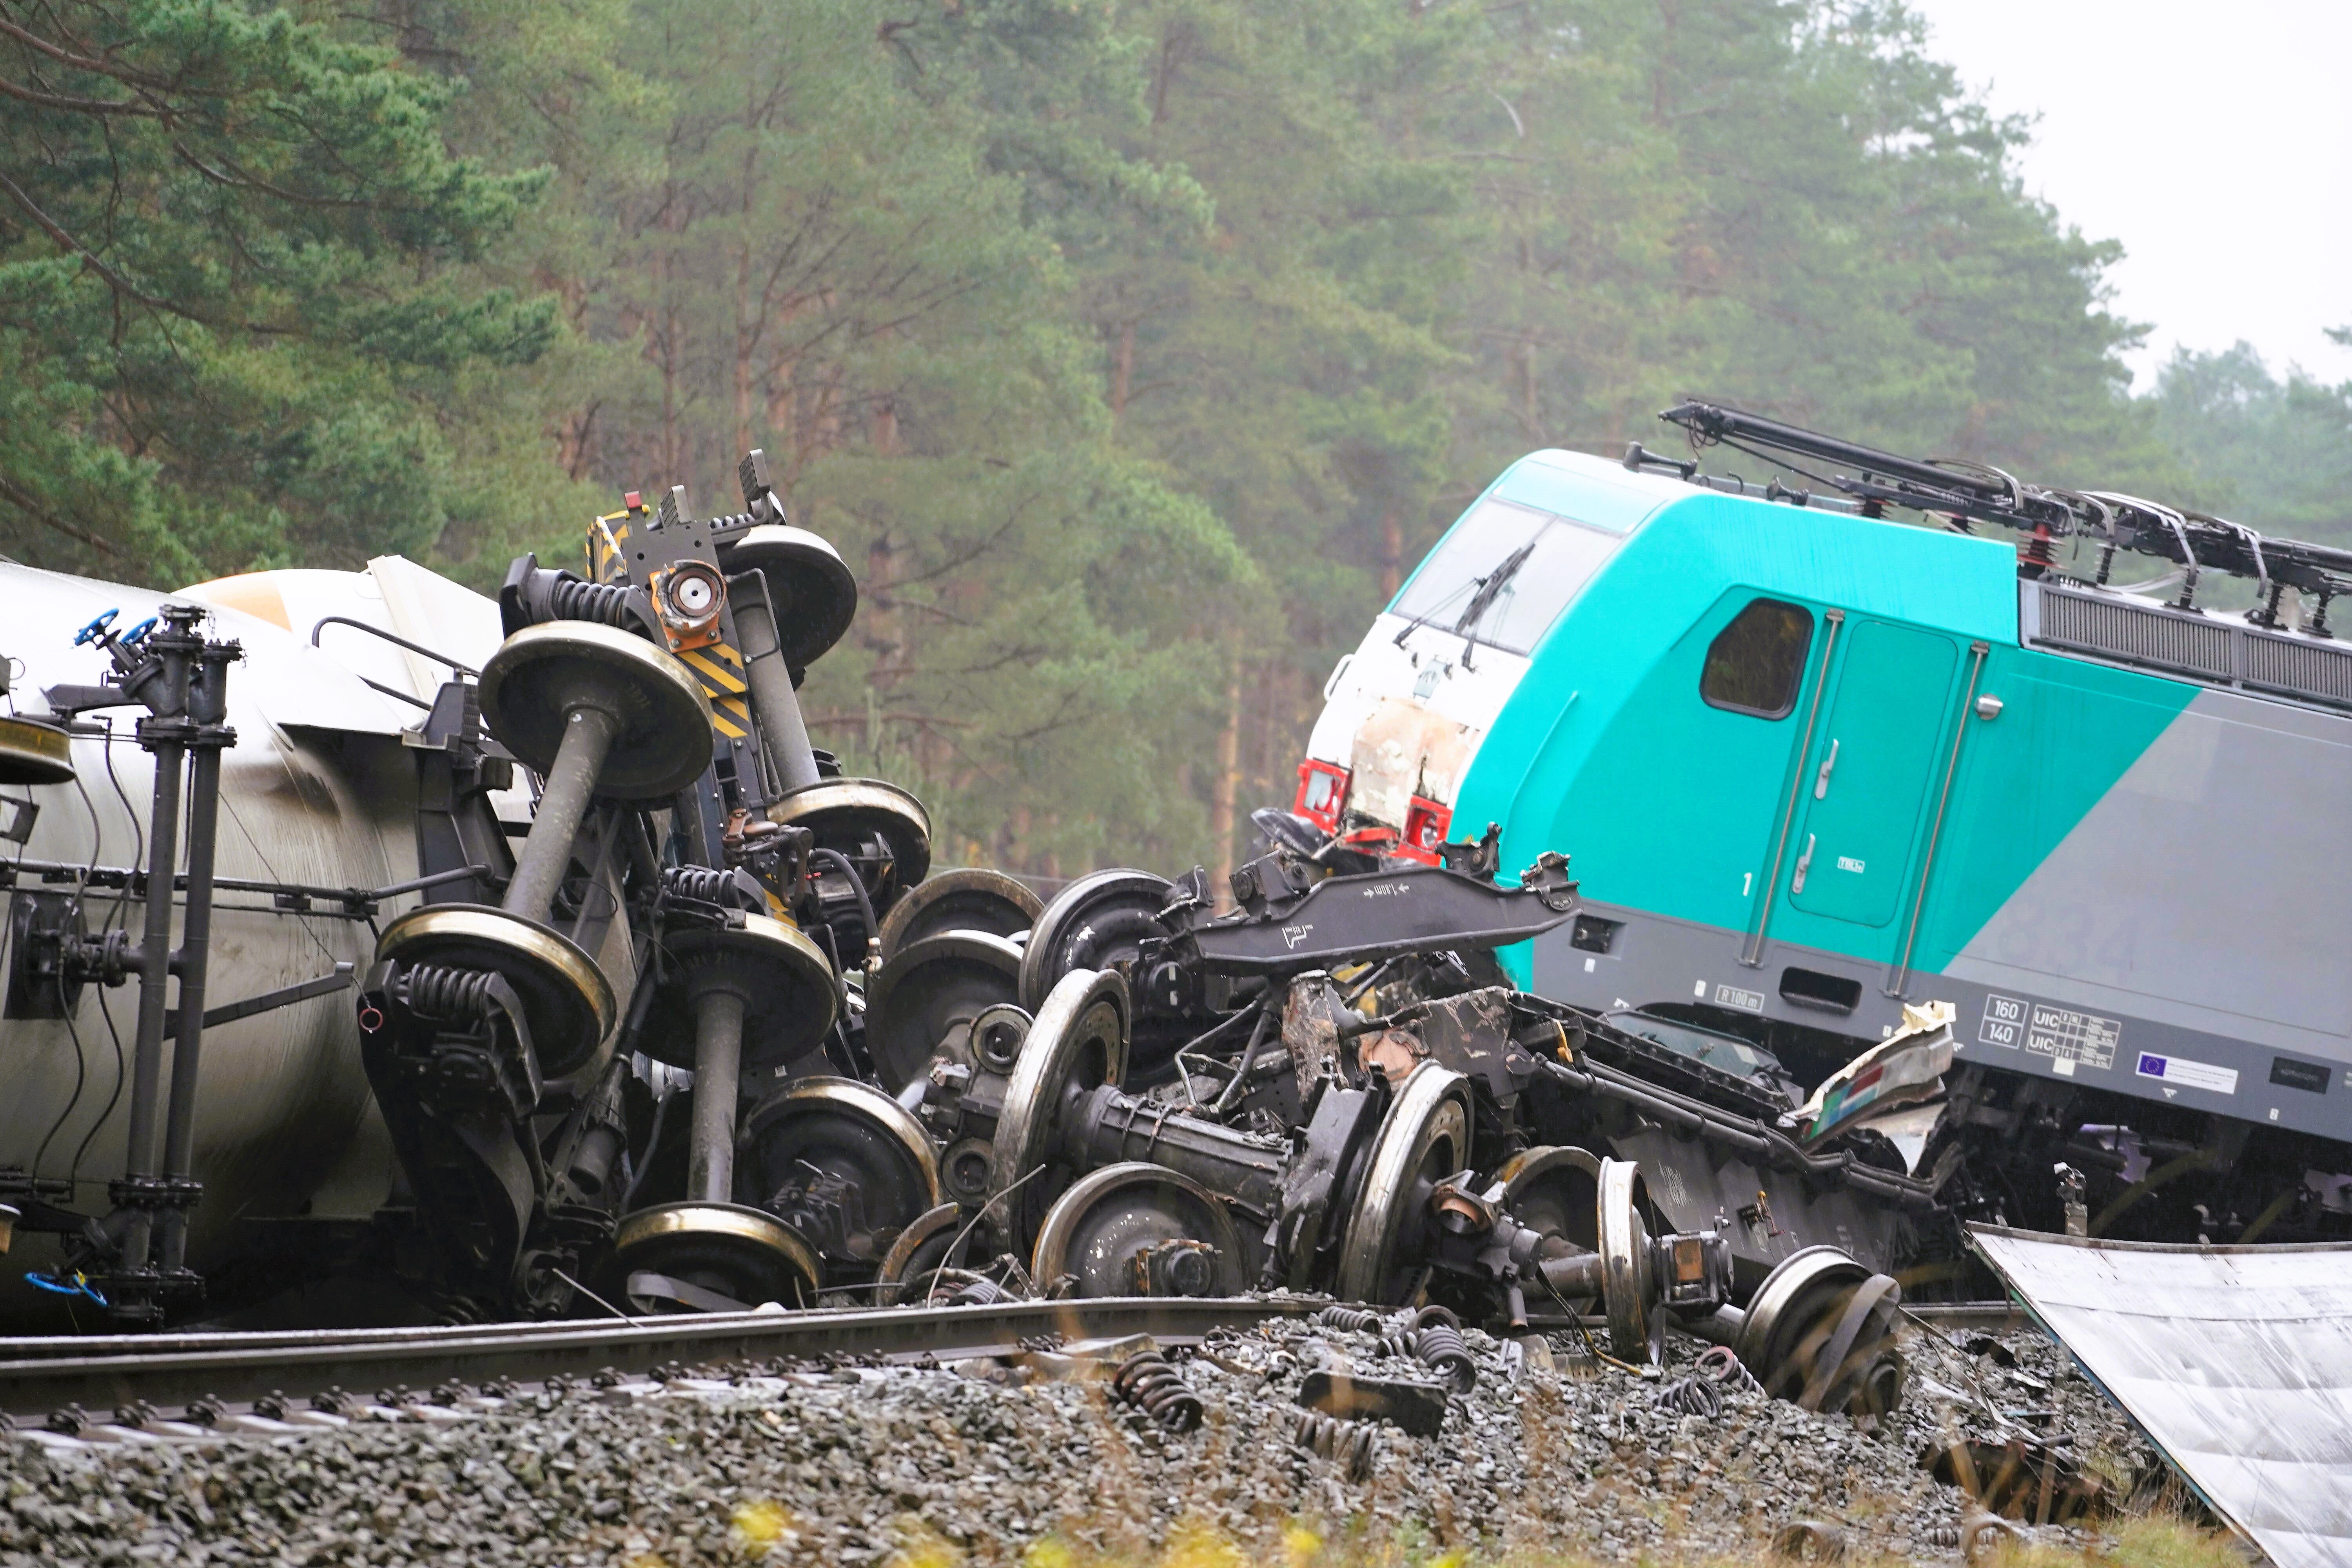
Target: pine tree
x=236 y=321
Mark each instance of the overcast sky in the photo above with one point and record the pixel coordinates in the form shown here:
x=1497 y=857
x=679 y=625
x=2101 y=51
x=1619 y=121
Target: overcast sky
x=2214 y=140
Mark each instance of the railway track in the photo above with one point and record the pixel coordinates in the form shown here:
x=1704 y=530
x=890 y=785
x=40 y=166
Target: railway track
x=217 y=1377
x=41 y=1376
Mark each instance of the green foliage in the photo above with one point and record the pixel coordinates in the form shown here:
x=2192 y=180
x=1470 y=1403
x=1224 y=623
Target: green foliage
x=236 y=308
x=1130 y=349
x=2276 y=454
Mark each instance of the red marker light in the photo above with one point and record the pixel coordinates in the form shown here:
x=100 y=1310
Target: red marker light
x=1425 y=823
x=1322 y=792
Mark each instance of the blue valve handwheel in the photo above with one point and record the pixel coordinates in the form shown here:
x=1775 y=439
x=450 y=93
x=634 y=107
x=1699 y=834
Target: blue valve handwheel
x=96 y=629
x=141 y=630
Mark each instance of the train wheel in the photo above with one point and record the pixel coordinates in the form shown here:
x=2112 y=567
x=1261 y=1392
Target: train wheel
x=812 y=593
x=970 y=898
x=713 y=1258
x=855 y=1134
x=1079 y=1038
x=930 y=991
x=790 y=996
x=1637 y=1329
x=661 y=741
x=1138 y=1229
x=1425 y=1137
x=1554 y=1190
x=566 y=1001
x=1819 y=1330
x=921 y=1250
x=882 y=830
x=1095 y=922
x=33 y=752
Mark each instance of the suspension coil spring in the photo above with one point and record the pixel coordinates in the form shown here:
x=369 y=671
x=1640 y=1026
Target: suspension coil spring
x=444 y=991
x=703 y=884
x=1721 y=1364
x=1982 y=1536
x=1147 y=1382
x=1437 y=1344
x=964 y=1287
x=1351 y=1320
x=980 y=1292
x=577 y=601
x=1693 y=1394
x=1810 y=1541
x=1348 y=1444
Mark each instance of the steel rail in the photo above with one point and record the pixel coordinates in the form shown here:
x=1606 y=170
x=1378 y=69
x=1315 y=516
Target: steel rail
x=38 y=1376
x=1962 y=1317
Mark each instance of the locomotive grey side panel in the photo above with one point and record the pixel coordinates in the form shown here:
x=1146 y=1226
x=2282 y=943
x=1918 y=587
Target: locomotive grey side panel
x=2206 y=895
x=2175 y=947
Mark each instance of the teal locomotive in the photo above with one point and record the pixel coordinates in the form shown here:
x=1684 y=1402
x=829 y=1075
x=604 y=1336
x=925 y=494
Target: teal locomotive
x=1813 y=762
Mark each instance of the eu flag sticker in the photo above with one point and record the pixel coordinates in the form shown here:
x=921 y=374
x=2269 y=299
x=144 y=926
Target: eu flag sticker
x=2188 y=1074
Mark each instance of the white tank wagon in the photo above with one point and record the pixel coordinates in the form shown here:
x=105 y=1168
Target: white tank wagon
x=313 y=1010
x=316 y=798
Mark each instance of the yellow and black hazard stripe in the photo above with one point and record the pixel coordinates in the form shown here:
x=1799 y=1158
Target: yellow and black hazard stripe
x=720 y=670
x=605 y=537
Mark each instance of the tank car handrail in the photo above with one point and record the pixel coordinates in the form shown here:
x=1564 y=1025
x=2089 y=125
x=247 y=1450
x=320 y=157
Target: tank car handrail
x=354 y=900
x=394 y=691
x=323 y=622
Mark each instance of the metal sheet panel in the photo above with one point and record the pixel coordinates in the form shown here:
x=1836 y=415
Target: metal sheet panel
x=2237 y=1361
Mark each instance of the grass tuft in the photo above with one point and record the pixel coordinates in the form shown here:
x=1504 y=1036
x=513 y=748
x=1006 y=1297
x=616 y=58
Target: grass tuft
x=2154 y=1540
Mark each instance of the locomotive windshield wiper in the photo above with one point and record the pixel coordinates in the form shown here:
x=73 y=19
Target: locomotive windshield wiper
x=1482 y=591
x=1490 y=589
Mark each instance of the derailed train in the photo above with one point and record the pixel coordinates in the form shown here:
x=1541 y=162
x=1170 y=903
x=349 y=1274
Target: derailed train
x=528 y=959
x=1817 y=764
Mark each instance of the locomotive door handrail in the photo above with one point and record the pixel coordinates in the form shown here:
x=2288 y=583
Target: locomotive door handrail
x=1770 y=888
x=1898 y=974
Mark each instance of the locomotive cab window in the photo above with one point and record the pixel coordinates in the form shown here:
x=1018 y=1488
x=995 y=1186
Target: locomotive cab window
x=1754 y=665
x=1503 y=573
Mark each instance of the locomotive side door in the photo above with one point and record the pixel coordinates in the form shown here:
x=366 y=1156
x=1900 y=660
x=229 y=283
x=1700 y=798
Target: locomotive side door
x=1864 y=794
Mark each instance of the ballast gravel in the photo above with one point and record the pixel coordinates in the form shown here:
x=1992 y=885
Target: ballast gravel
x=981 y=1462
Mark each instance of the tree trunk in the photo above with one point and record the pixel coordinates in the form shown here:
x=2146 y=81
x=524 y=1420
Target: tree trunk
x=880 y=615
x=1016 y=841
x=670 y=455
x=1266 y=767
x=1526 y=368
x=1123 y=372
x=1392 y=551
x=744 y=337
x=783 y=425
x=1221 y=794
